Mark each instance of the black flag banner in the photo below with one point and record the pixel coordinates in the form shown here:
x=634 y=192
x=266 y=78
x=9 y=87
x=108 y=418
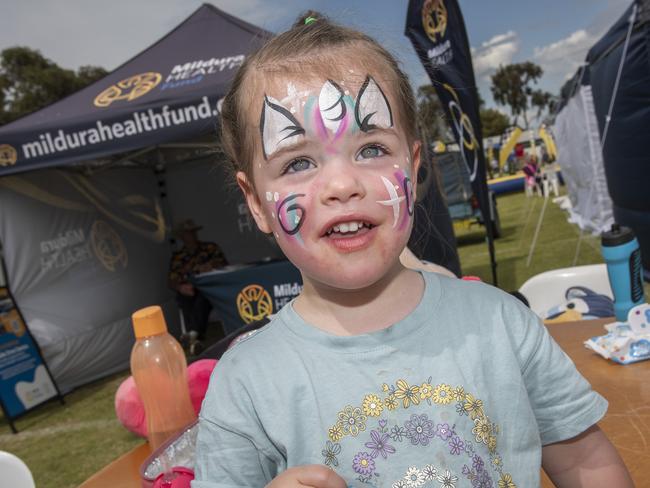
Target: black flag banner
x=437 y=31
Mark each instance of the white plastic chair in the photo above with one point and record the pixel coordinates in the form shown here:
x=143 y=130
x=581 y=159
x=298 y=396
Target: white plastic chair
x=547 y=289
x=14 y=472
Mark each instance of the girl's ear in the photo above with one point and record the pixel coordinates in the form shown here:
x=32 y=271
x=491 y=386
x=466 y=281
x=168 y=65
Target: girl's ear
x=253 y=201
x=415 y=166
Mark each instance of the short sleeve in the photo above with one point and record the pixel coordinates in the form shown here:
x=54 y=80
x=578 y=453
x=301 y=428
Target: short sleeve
x=232 y=448
x=562 y=400
x=228 y=459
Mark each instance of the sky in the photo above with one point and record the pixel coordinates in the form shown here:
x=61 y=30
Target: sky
x=555 y=34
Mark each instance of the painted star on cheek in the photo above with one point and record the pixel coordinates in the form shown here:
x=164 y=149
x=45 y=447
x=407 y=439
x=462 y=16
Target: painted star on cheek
x=394 y=201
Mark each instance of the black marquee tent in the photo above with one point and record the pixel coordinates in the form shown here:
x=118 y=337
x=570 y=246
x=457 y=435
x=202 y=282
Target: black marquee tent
x=84 y=238
x=169 y=92
x=603 y=124
x=89 y=185
x=619 y=74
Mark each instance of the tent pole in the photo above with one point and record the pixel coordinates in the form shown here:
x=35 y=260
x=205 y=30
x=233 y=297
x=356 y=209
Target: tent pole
x=608 y=117
x=537 y=229
x=575 y=257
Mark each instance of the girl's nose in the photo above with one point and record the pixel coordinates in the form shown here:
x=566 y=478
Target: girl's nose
x=342 y=182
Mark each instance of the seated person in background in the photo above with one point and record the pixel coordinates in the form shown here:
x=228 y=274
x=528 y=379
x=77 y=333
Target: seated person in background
x=194 y=257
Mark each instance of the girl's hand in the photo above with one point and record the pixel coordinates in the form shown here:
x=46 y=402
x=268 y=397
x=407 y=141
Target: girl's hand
x=312 y=476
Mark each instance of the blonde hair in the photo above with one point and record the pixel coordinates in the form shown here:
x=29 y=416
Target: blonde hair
x=308 y=47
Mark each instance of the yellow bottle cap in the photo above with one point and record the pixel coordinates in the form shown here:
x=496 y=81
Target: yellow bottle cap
x=149 y=321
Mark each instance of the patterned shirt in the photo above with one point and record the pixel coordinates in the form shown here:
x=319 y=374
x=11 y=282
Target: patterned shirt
x=463 y=392
x=186 y=262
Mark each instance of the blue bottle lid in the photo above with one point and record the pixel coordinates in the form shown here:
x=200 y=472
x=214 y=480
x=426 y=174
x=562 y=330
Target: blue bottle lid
x=617 y=236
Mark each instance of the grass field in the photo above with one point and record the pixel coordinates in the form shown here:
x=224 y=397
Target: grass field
x=555 y=248
x=64 y=445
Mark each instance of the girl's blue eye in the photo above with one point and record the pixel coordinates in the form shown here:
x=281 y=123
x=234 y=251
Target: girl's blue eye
x=300 y=164
x=371 y=151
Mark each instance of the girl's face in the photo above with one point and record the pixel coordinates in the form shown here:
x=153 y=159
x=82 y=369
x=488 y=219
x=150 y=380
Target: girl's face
x=333 y=177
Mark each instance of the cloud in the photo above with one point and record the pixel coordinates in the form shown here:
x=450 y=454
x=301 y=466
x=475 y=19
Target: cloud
x=562 y=58
x=260 y=12
x=95 y=32
x=497 y=51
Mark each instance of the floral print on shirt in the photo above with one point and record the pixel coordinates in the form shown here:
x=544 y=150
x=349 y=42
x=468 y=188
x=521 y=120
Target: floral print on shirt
x=381 y=437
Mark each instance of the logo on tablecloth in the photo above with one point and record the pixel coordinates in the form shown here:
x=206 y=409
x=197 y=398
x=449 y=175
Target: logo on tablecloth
x=254 y=303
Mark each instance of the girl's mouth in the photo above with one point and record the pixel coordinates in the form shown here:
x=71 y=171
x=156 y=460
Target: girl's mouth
x=349 y=229
x=351 y=236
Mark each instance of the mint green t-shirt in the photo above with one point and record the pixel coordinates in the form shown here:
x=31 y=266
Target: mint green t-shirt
x=462 y=393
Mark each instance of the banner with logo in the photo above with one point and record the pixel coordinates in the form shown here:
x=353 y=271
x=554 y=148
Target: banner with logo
x=167 y=93
x=437 y=31
x=246 y=294
x=83 y=253
x=25 y=381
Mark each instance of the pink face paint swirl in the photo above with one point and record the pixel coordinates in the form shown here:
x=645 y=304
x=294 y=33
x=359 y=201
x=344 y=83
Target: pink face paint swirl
x=405 y=183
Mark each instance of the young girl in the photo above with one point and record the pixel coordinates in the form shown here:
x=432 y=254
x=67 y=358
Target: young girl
x=376 y=375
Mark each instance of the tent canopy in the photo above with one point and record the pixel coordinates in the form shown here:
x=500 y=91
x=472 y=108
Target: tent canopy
x=168 y=92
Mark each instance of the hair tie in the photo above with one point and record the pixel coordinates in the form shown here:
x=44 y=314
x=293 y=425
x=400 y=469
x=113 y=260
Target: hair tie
x=310 y=20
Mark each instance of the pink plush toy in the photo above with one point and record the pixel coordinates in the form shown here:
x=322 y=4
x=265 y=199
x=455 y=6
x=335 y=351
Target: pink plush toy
x=130 y=409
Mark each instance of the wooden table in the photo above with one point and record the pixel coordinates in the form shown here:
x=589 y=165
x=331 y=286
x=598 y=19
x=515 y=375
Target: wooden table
x=124 y=472
x=626 y=388
x=627 y=423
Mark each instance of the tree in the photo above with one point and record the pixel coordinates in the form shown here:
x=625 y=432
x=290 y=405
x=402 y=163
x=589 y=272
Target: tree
x=430 y=114
x=511 y=86
x=29 y=81
x=493 y=122
x=542 y=100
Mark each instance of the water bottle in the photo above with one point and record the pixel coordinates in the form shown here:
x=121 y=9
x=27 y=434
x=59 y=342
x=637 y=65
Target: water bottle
x=623 y=257
x=159 y=368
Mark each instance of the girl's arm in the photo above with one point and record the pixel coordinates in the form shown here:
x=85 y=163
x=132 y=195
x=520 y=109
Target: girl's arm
x=587 y=460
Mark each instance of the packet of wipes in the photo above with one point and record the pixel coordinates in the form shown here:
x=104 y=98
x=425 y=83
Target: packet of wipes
x=625 y=342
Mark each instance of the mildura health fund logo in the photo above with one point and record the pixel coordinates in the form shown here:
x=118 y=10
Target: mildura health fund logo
x=128 y=89
x=8 y=155
x=434 y=19
x=108 y=246
x=254 y=303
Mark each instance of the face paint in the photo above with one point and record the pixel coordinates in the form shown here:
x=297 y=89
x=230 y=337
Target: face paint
x=329 y=115
x=291 y=215
x=405 y=182
x=394 y=200
x=372 y=109
x=278 y=127
x=332 y=106
x=293 y=98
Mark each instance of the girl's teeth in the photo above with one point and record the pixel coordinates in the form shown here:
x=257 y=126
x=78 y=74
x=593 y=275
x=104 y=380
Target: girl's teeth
x=347 y=227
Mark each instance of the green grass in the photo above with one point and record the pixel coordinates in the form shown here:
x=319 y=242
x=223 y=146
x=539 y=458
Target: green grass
x=64 y=445
x=555 y=248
